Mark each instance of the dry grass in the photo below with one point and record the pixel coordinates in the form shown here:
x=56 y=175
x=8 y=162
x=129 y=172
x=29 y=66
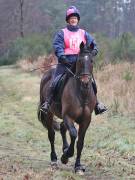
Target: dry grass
x=116 y=87
x=42 y=64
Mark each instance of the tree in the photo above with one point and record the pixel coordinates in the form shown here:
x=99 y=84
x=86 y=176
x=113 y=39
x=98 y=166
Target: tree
x=21 y=18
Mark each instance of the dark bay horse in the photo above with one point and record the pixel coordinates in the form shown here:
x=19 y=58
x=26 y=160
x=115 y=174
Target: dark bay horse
x=78 y=101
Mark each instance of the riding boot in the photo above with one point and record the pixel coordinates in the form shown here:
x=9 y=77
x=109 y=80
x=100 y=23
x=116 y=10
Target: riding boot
x=45 y=107
x=99 y=107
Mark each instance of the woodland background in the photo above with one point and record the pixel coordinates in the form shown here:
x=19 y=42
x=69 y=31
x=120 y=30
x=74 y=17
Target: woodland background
x=27 y=28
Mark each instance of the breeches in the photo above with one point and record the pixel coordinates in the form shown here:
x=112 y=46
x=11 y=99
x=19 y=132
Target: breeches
x=59 y=72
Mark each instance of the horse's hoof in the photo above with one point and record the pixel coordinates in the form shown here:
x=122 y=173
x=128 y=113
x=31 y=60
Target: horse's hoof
x=68 y=152
x=54 y=163
x=64 y=159
x=80 y=170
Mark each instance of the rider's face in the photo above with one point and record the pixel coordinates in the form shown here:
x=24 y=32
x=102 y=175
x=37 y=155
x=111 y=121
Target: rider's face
x=73 y=20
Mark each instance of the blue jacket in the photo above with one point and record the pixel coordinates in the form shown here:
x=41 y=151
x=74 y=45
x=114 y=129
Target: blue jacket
x=58 y=43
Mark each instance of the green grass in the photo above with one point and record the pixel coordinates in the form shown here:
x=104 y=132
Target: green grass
x=109 y=149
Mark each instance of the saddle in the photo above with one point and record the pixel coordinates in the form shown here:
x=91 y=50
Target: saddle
x=60 y=87
x=61 y=84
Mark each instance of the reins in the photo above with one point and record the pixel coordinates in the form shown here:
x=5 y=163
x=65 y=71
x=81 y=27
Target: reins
x=69 y=70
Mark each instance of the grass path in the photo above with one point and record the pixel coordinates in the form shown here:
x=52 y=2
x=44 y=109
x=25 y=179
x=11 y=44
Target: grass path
x=109 y=150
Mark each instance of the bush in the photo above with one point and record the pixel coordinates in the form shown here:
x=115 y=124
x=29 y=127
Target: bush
x=27 y=48
x=103 y=44
x=114 y=50
x=123 y=47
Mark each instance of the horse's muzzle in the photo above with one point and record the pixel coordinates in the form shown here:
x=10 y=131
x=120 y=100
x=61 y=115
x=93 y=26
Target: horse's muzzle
x=85 y=79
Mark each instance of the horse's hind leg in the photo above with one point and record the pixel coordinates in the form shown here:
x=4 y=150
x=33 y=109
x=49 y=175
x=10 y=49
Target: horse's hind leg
x=51 y=136
x=63 y=131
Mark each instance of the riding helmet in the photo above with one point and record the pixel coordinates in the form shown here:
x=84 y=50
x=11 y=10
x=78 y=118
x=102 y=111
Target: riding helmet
x=72 y=11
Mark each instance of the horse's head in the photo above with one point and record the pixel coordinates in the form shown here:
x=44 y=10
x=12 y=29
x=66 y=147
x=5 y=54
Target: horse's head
x=84 y=65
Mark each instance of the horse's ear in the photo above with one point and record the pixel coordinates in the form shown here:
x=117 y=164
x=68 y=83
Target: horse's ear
x=81 y=46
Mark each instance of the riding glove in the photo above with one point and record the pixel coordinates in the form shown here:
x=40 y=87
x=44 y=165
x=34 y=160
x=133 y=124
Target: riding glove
x=94 y=52
x=63 y=59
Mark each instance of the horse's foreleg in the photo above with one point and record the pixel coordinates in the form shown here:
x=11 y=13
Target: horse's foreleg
x=63 y=131
x=69 y=123
x=51 y=136
x=81 y=135
x=73 y=134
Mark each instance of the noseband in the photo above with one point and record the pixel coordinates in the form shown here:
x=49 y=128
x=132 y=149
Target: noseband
x=85 y=78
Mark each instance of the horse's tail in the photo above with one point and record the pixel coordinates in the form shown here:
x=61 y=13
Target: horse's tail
x=43 y=119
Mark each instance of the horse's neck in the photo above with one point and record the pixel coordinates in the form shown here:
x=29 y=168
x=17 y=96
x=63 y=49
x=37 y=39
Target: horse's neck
x=83 y=93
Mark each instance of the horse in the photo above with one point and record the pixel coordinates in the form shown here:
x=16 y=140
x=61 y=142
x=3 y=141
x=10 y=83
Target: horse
x=78 y=101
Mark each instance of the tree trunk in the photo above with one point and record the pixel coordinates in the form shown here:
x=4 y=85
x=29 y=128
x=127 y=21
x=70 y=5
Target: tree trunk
x=21 y=18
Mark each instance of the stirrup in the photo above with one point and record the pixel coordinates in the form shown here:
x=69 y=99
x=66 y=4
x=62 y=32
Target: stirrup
x=45 y=107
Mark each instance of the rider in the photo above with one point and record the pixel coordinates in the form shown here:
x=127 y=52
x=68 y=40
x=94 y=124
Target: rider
x=66 y=45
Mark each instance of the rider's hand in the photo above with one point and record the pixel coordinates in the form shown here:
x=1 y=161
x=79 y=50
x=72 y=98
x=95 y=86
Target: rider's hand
x=94 y=52
x=63 y=59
